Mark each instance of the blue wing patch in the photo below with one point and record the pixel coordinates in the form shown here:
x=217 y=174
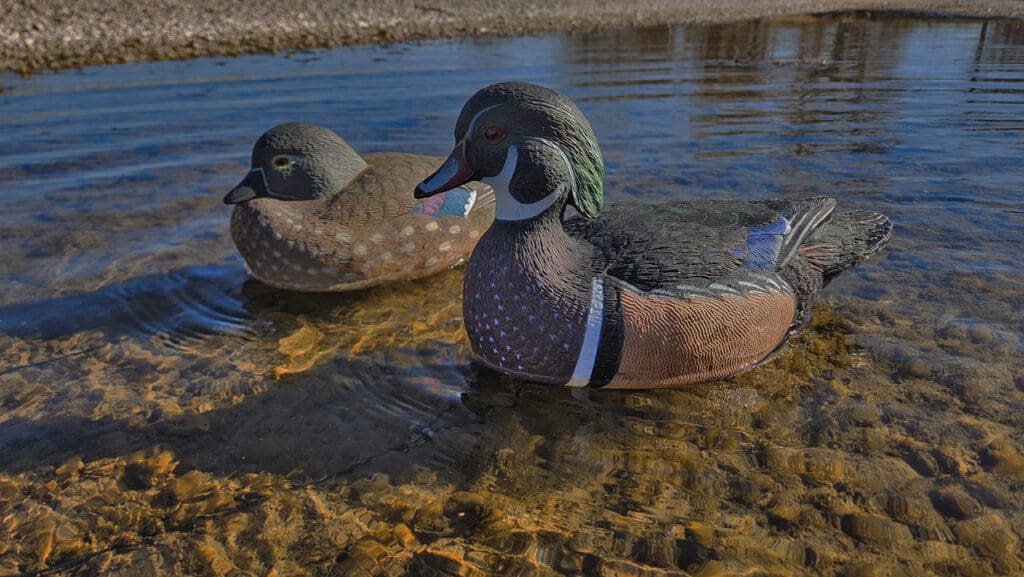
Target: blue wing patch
x=763 y=244
x=457 y=202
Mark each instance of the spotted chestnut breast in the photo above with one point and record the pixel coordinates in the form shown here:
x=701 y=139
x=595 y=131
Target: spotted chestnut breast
x=505 y=305
x=636 y=295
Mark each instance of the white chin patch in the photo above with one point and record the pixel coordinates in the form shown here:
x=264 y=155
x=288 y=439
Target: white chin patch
x=442 y=176
x=506 y=206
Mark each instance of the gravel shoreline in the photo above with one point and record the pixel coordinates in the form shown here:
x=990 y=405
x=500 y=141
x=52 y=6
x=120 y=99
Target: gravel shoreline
x=42 y=34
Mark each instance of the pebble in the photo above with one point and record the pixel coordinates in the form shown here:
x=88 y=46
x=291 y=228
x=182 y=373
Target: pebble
x=875 y=529
x=55 y=34
x=873 y=439
x=784 y=513
x=863 y=414
x=820 y=465
x=430 y=519
x=905 y=506
x=914 y=368
x=1002 y=457
x=466 y=511
x=144 y=469
x=447 y=563
x=990 y=535
x=693 y=556
x=990 y=492
x=922 y=461
x=624 y=568
x=70 y=469
x=860 y=570
x=981 y=333
x=949 y=461
x=953 y=502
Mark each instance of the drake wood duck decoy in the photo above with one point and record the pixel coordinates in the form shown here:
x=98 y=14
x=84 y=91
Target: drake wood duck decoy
x=312 y=215
x=643 y=294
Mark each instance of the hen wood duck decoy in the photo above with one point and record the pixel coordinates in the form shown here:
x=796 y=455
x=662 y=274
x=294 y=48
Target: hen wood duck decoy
x=312 y=215
x=643 y=294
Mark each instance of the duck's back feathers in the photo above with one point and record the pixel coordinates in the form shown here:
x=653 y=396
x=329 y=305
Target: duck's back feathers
x=383 y=192
x=657 y=245
x=371 y=197
x=729 y=249
x=801 y=219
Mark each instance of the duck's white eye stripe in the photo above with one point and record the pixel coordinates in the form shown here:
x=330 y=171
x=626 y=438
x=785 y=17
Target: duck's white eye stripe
x=472 y=123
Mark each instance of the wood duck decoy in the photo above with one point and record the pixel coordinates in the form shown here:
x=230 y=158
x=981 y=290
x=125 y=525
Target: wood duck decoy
x=638 y=295
x=312 y=215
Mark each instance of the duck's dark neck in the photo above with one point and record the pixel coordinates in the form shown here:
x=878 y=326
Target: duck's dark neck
x=527 y=292
x=539 y=248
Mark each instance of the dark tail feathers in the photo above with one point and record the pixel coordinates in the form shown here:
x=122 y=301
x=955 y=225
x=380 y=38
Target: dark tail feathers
x=844 y=240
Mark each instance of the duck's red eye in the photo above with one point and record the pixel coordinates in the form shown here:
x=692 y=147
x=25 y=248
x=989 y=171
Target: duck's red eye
x=493 y=135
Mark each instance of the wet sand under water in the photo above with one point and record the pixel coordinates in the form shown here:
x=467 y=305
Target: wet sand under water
x=163 y=416
x=815 y=464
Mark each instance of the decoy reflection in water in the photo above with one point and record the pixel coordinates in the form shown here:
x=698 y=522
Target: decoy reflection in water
x=638 y=294
x=312 y=215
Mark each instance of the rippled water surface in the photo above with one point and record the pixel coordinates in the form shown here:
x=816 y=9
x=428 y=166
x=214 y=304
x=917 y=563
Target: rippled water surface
x=162 y=414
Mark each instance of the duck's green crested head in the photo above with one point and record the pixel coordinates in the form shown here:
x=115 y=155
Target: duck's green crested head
x=530 y=142
x=298 y=161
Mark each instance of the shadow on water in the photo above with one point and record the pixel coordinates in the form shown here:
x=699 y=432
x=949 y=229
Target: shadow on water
x=193 y=301
x=344 y=416
x=361 y=378
x=159 y=414
x=326 y=424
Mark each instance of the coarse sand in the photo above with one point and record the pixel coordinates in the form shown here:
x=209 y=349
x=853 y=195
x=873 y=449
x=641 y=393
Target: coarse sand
x=41 y=34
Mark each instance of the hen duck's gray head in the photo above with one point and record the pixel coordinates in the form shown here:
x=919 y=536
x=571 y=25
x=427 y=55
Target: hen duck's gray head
x=531 y=144
x=298 y=161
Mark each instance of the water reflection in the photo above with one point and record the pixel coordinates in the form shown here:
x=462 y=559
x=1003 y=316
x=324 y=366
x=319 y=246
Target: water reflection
x=162 y=415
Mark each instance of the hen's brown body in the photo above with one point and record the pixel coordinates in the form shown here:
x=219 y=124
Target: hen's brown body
x=369 y=231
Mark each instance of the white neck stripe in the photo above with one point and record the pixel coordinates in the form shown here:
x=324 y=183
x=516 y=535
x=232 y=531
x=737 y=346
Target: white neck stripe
x=591 y=337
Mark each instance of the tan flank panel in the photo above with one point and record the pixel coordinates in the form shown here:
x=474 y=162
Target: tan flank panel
x=668 y=342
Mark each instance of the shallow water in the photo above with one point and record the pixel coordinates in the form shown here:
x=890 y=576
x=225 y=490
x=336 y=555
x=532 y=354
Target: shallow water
x=159 y=413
